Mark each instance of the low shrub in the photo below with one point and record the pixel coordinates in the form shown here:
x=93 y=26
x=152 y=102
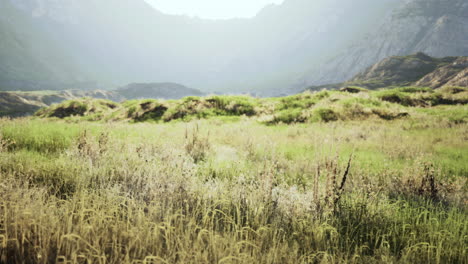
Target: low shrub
x=289 y=116
x=326 y=114
x=414 y=89
x=398 y=97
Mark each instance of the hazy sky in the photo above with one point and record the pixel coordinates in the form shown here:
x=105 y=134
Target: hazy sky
x=214 y=9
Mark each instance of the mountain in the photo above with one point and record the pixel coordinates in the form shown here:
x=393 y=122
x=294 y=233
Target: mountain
x=16 y=103
x=90 y=44
x=157 y=91
x=414 y=70
x=31 y=58
x=129 y=41
x=438 y=28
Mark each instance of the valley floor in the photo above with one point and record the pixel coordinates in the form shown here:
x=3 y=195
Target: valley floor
x=215 y=191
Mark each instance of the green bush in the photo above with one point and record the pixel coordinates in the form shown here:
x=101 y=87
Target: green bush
x=326 y=114
x=289 y=116
x=303 y=101
x=414 y=89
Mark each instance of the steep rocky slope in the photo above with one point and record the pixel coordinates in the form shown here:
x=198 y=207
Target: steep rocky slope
x=418 y=70
x=453 y=74
x=438 y=28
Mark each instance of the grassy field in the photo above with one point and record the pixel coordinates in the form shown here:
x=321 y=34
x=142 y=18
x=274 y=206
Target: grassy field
x=242 y=185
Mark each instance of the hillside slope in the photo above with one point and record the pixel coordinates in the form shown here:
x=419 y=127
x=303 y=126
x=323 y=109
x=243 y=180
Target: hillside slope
x=16 y=104
x=129 y=41
x=418 y=70
x=437 y=28
x=51 y=44
x=453 y=74
x=157 y=91
x=31 y=58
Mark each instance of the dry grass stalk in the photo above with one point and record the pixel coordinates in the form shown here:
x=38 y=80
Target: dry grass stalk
x=343 y=181
x=5 y=144
x=428 y=183
x=196 y=145
x=333 y=191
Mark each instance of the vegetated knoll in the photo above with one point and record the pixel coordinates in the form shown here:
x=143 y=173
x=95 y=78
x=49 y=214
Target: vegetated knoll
x=414 y=70
x=15 y=104
x=323 y=106
x=152 y=109
x=91 y=108
x=157 y=91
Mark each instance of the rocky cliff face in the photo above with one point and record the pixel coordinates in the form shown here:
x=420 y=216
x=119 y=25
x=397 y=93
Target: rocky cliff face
x=436 y=27
x=461 y=79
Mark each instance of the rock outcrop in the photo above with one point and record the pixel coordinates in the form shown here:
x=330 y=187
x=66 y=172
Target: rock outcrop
x=438 y=28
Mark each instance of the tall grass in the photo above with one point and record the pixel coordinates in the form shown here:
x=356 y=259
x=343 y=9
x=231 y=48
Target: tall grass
x=211 y=192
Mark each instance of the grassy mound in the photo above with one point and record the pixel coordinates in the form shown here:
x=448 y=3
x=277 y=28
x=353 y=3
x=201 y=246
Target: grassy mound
x=91 y=109
x=351 y=103
x=423 y=97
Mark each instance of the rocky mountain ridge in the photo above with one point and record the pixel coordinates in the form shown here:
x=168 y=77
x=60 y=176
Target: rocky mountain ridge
x=438 y=28
x=90 y=44
x=418 y=70
x=129 y=41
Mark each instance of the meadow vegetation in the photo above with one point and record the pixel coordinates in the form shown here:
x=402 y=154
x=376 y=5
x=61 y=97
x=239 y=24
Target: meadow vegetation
x=326 y=177
x=307 y=107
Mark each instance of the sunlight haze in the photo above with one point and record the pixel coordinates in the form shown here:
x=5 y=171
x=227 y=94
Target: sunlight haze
x=233 y=131
x=212 y=9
